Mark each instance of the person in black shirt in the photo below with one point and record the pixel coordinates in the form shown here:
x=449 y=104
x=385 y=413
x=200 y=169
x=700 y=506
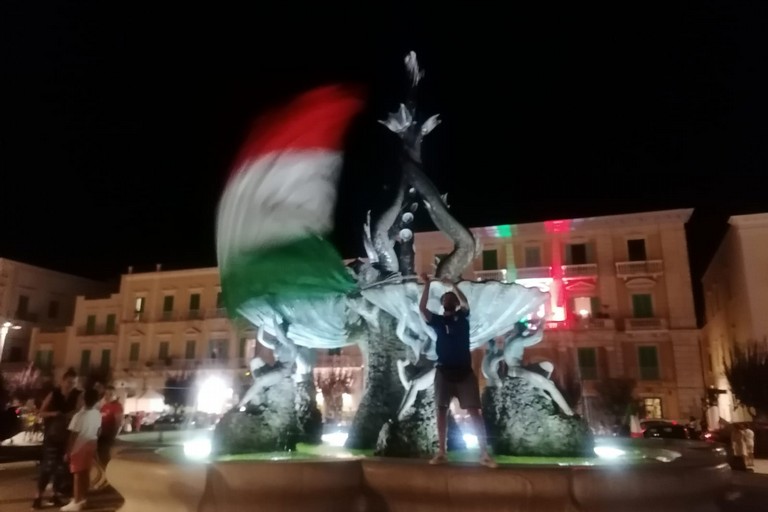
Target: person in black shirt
x=454 y=376
x=57 y=410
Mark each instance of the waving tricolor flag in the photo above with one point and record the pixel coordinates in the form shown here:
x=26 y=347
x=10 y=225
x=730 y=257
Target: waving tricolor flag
x=279 y=202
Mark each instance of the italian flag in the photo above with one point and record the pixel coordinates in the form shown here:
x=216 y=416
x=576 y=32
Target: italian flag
x=278 y=203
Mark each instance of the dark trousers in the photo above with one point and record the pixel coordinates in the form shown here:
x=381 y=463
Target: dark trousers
x=104 y=450
x=54 y=469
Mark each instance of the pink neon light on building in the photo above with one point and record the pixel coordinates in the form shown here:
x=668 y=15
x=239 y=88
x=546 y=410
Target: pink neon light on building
x=557 y=289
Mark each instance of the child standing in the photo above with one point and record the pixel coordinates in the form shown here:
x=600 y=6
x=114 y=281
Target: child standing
x=81 y=451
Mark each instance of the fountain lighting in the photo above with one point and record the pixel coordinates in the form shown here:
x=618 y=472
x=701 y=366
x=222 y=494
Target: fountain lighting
x=199 y=448
x=336 y=439
x=609 y=452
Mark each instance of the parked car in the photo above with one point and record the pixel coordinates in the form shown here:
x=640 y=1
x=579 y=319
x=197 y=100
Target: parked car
x=665 y=429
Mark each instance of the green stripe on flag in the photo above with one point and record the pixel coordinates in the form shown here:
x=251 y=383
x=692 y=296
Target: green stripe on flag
x=306 y=269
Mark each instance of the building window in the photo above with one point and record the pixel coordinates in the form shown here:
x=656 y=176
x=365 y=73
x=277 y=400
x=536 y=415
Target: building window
x=588 y=363
x=636 y=249
x=85 y=361
x=90 y=324
x=138 y=306
x=576 y=254
x=189 y=351
x=44 y=359
x=490 y=260
x=533 y=256
x=648 y=359
x=652 y=408
x=218 y=349
x=167 y=307
x=219 y=301
x=586 y=307
x=241 y=348
x=23 y=308
x=163 y=352
x=111 y=323
x=334 y=351
x=642 y=305
x=194 y=302
x=106 y=359
x=134 y=354
x=53 y=309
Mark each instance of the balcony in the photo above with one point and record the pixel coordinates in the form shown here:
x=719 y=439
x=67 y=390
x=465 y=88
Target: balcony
x=586 y=270
x=645 y=324
x=98 y=331
x=216 y=313
x=491 y=275
x=534 y=273
x=630 y=269
x=594 y=323
x=173 y=363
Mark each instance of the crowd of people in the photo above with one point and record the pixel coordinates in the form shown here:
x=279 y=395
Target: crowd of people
x=79 y=429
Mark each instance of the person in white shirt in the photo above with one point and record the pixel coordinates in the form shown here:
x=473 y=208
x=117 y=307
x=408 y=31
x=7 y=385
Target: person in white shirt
x=84 y=431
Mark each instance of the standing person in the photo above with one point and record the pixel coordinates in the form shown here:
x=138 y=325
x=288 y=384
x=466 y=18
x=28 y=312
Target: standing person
x=111 y=423
x=56 y=412
x=454 y=376
x=81 y=450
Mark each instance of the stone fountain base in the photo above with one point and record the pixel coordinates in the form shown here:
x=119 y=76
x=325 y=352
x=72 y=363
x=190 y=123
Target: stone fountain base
x=693 y=481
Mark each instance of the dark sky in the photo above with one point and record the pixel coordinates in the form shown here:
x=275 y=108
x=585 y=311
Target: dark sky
x=118 y=125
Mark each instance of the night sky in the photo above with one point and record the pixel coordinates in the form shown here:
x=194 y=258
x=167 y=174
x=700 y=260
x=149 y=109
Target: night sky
x=118 y=126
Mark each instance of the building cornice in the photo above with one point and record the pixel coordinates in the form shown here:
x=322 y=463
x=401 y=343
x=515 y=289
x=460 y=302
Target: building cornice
x=749 y=221
x=607 y=222
x=139 y=276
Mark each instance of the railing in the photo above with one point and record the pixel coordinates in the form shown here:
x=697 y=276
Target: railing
x=177 y=316
x=594 y=323
x=97 y=331
x=645 y=324
x=650 y=373
x=173 y=363
x=53 y=328
x=491 y=275
x=216 y=313
x=584 y=270
x=534 y=273
x=639 y=268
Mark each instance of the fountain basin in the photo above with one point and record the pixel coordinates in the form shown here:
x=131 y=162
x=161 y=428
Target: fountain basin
x=693 y=477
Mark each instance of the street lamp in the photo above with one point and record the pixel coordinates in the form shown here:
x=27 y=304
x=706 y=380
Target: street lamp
x=4 y=328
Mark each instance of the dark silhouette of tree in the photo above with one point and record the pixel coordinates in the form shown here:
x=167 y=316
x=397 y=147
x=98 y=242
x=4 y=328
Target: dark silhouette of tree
x=747 y=373
x=29 y=384
x=616 y=397
x=178 y=391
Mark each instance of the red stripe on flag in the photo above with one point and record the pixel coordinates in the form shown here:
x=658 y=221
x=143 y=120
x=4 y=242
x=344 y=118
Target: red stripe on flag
x=317 y=119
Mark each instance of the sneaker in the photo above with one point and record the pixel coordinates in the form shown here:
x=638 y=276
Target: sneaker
x=487 y=461
x=73 y=506
x=37 y=504
x=440 y=458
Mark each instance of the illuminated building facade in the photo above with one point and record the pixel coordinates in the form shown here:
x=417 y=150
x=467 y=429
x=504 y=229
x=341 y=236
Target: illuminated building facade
x=621 y=306
x=621 y=302
x=736 y=299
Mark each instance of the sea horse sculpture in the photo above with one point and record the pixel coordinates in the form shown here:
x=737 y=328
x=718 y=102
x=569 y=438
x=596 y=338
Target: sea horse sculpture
x=515 y=343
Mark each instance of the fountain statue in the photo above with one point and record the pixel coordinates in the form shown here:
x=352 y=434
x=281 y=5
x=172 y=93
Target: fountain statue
x=375 y=306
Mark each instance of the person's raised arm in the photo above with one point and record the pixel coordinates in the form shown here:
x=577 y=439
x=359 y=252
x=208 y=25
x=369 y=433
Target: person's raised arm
x=44 y=409
x=427 y=314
